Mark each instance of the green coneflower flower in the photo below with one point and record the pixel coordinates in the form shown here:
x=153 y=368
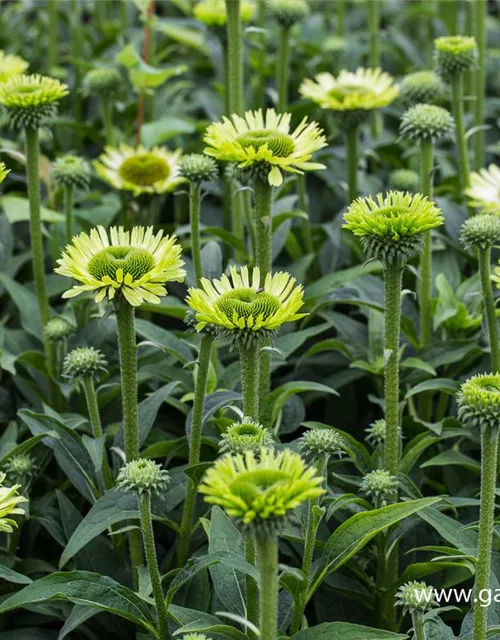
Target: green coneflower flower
x=261 y=493
x=404 y=180
x=103 y=82
x=247 y=435
x=197 y=168
x=71 y=171
x=213 y=12
x=288 y=12
x=421 y=87
x=453 y=55
x=479 y=401
x=484 y=189
x=415 y=596
x=426 y=122
x=143 y=476
x=11 y=65
x=264 y=144
x=381 y=485
x=241 y=304
x=9 y=499
x=361 y=91
x=321 y=443
x=481 y=231
x=20 y=467
x=136 y=264
x=4 y=172
x=84 y=361
x=57 y=329
x=376 y=433
x=31 y=99
x=140 y=170
x=393 y=225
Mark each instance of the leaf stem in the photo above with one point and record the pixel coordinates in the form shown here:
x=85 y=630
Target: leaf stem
x=489 y=451
x=200 y=390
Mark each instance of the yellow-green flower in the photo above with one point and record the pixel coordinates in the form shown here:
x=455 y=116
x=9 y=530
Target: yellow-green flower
x=365 y=90
x=393 y=225
x=479 y=400
x=239 y=303
x=265 y=143
x=213 y=12
x=135 y=263
x=261 y=491
x=11 y=65
x=454 y=55
x=4 y=172
x=484 y=190
x=140 y=170
x=247 y=435
x=31 y=99
x=9 y=499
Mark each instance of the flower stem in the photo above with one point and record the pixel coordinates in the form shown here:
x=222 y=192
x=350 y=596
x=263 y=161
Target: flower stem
x=251 y=585
x=267 y=553
x=194 y=218
x=304 y=206
x=457 y=86
x=479 y=22
x=489 y=450
x=374 y=53
x=426 y=167
x=393 y=282
x=95 y=421
x=283 y=69
x=352 y=162
x=33 y=180
x=418 y=626
x=107 y=120
x=184 y=533
x=489 y=305
x=235 y=56
x=250 y=375
x=69 y=191
x=152 y=562
x=52 y=35
x=341 y=17
x=260 y=92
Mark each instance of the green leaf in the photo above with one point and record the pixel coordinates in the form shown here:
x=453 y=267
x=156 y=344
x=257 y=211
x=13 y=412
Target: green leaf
x=452 y=457
x=26 y=303
x=85 y=588
x=17 y=209
x=159 y=131
x=282 y=217
x=13 y=576
x=276 y=400
x=345 y=631
x=182 y=34
x=220 y=629
x=451 y=531
x=445 y=385
x=167 y=340
x=332 y=281
x=23 y=448
x=417 y=363
x=77 y=617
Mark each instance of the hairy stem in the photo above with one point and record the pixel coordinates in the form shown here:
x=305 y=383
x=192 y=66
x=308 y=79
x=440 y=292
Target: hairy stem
x=95 y=422
x=200 y=390
x=69 y=191
x=489 y=306
x=252 y=602
x=352 y=162
x=479 y=22
x=107 y=120
x=426 y=167
x=307 y=238
x=52 y=35
x=457 y=86
x=250 y=376
x=267 y=553
x=283 y=69
x=418 y=625
x=489 y=452
x=374 y=53
x=235 y=56
x=152 y=563
x=194 y=218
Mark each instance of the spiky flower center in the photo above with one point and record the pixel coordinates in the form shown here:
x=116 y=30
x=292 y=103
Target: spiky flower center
x=136 y=262
x=248 y=431
x=281 y=144
x=250 y=484
x=248 y=302
x=349 y=89
x=144 y=170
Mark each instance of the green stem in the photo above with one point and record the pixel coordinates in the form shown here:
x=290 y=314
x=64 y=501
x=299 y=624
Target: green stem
x=374 y=53
x=341 y=16
x=457 y=87
x=95 y=421
x=69 y=191
x=252 y=602
x=250 y=375
x=52 y=35
x=267 y=553
x=125 y=320
x=393 y=282
x=479 y=19
x=107 y=120
x=489 y=450
x=489 y=305
x=263 y=195
x=283 y=69
x=235 y=56
x=418 y=626
x=260 y=92
x=152 y=562
x=304 y=206
x=36 y=238
x=200 y=390
x=426 y=169
x=194 y=218
x=76 y=54
x=352 y=162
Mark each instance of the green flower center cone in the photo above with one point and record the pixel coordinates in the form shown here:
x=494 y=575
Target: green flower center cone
x=346 y=90
x=144 y=170
x=136 y=262
x=247 y=302
x=254 y=483
x=281 y=144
